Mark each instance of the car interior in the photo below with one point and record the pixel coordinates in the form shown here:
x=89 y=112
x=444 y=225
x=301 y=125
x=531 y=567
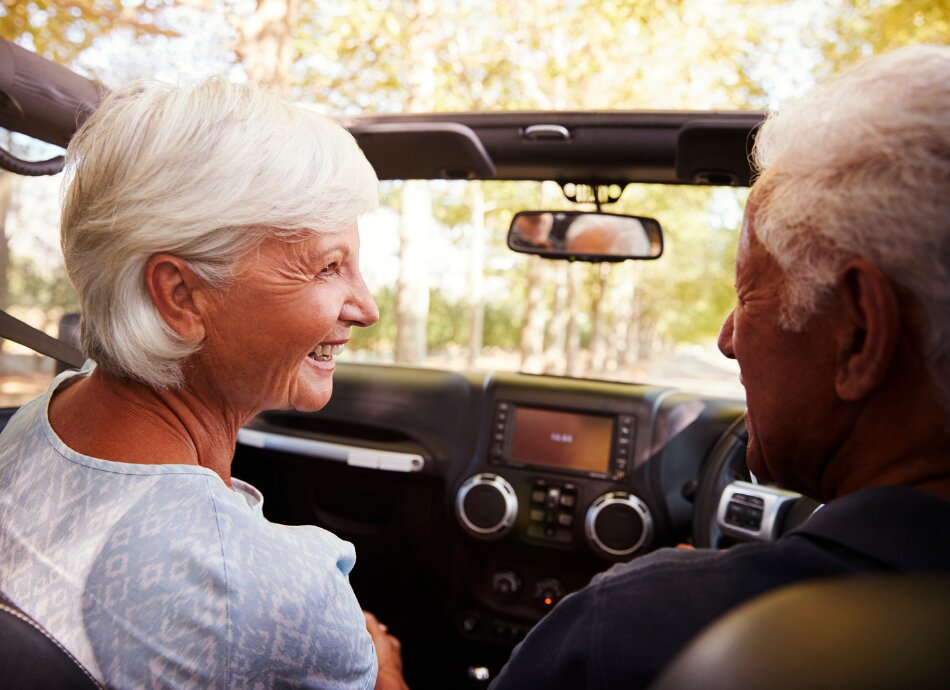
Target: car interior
x=477 y=499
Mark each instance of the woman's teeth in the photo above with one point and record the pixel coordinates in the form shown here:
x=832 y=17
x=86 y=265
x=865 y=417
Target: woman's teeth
x=324 y=353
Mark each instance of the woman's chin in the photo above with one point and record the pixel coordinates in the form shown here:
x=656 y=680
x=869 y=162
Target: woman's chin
x=314 y=387
x=310 y=403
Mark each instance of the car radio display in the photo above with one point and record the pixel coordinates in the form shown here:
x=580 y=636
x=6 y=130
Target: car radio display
x=561 y=440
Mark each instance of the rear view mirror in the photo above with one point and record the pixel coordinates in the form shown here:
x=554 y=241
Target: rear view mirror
x=585 y=236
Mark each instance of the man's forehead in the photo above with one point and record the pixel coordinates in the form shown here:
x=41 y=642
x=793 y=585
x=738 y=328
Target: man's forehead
x=745 y=232
x=750 y=253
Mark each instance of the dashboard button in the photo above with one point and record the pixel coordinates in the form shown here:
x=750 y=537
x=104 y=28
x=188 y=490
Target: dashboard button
x=537 y=496
x=565 y=519
x=486 y=505
x=567 y=500
x=536 y=515
x=548 y=591
x=618 y=523
x=505 y=583
x=470 y=623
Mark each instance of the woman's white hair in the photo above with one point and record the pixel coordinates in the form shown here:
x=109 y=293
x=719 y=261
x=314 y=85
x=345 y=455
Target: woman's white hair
x=860 y=167
x=205 y=172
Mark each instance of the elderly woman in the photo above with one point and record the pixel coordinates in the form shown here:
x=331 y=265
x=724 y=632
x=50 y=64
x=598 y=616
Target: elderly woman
x=211 y=235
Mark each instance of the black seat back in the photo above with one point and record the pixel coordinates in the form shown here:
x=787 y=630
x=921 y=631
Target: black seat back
x=864 y=632
x=31 y=658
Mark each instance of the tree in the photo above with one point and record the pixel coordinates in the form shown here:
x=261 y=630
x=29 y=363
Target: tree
x=265 y=42
x=61 y=30
x=860 y=27
x=476 y=275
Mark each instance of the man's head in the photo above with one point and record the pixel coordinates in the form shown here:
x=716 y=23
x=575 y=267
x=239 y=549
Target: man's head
x=843 y=270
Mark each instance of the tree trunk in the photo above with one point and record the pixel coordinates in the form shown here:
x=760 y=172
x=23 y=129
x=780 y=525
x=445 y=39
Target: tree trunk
x=476 y=275
x=265 y=44
x=532 y=329
x=412 y=289
x=555 y=361
x=598 y=346
x=572 y=349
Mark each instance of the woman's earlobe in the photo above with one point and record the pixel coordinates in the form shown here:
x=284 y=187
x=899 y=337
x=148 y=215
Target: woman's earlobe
x=868 y=334
x=172 y=285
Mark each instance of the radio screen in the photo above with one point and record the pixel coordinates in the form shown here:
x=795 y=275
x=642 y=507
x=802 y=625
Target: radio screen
x=561 y=440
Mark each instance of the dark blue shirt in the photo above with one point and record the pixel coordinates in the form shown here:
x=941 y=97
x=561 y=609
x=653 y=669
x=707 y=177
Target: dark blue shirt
x=628 y=623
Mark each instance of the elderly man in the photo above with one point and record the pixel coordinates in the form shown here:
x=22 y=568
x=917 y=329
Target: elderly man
x=842 y=334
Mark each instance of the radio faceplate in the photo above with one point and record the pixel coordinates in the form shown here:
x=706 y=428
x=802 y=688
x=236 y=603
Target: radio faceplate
x=560 y=440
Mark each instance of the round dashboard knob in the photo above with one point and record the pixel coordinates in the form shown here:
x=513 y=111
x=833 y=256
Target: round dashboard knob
x=618 y=524
x=486 y=506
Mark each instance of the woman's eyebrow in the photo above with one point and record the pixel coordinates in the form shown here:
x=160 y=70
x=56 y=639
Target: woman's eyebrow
x=311 y=255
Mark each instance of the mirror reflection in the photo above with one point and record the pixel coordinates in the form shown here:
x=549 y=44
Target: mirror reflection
x=585 y=236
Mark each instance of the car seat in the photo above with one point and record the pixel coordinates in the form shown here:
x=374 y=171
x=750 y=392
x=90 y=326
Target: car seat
x=32 y=658
x=864 y=632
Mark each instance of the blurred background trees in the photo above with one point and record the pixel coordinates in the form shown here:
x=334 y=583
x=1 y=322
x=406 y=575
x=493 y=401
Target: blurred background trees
x=387 y=56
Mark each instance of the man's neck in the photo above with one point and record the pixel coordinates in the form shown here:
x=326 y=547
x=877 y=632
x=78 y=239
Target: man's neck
x=124 y=421
x=911 y=448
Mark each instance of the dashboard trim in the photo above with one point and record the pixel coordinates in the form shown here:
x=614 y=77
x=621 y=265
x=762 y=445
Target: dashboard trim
x=354 y=456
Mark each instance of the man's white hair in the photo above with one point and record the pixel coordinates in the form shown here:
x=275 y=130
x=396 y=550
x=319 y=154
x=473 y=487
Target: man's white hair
x=860 y=167
x=205 y=172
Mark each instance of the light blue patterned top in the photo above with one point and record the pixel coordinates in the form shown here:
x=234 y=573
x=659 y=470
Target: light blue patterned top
x=160 y=576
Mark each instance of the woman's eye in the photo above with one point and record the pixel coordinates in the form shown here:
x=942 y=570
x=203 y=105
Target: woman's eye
x=329 y=270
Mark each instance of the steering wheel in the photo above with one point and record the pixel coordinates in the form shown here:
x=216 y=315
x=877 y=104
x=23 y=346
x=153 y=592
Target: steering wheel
x=724 y=465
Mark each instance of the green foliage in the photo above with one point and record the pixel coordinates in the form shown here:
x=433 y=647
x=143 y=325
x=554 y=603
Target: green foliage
x=448 y=322
x=863 y=27
x=61 y=30
x=32 y=285
x=689 y=290
x=503 y=325
x=380 y=336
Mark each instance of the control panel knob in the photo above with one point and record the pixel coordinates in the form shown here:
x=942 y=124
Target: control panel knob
x=548 y=591
x=505 y=583
x=486 y=506
x=618 y=524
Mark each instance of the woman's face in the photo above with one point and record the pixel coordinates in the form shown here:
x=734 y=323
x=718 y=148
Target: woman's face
x=273 y=334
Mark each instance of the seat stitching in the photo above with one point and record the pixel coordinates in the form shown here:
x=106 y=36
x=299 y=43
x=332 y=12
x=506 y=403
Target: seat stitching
x=39 y=628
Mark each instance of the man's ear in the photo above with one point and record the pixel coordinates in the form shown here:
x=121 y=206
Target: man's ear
x=868 y=334
x=173 y=287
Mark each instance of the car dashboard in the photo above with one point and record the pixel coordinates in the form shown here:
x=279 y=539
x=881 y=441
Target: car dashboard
x=477 y=500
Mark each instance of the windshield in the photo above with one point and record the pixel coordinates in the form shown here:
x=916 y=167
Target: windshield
x=459 y=298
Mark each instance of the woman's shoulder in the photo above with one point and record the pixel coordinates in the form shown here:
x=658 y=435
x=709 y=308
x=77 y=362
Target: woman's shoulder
x=248 y=537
